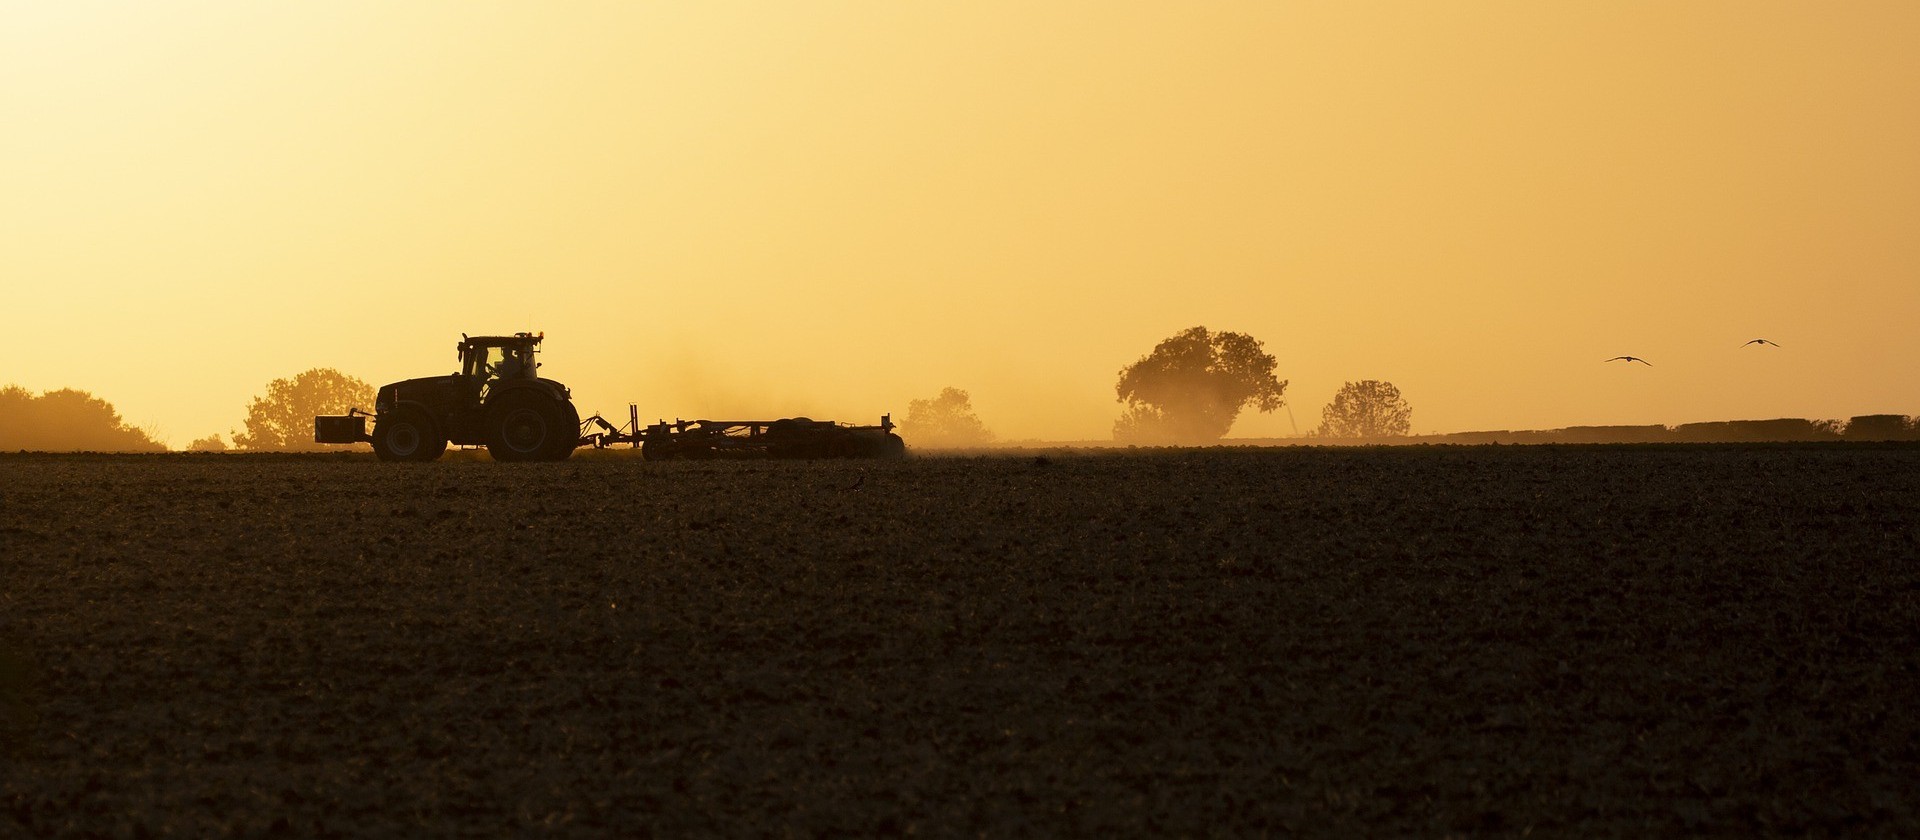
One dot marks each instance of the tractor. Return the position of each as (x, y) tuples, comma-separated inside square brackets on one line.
[(496, 400)]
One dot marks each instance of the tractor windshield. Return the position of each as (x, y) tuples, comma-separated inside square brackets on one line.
[(508, 362)]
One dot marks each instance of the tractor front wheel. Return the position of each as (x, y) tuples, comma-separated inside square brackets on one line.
[(529, 427), (407, 434)]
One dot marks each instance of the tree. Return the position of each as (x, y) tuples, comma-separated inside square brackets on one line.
[(945, 420), (1193, 386), (210, 443), (1366, 409), (67, 421), (283, 418)]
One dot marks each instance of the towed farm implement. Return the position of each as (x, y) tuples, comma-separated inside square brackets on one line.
[(498, 401), (793, 437)]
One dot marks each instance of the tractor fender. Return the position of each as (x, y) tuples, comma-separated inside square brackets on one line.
[(545, 387), (432, 411)]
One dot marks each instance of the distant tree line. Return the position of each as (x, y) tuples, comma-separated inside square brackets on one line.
[(281, 420), (1187, 391), (1865, 427), (67, 421)]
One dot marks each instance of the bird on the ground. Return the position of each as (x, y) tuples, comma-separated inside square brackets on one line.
[(1631, 359), (1761, 341)]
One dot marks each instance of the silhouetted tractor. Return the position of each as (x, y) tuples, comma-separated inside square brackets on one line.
[(496, 400)]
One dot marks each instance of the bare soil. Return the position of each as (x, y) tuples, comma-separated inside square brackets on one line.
[(1380, 642)]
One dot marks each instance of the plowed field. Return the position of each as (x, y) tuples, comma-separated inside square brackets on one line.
[(1378, 642)]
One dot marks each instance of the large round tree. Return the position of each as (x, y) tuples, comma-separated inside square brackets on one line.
[(1193, 386), (1369, 408), (282, 419)]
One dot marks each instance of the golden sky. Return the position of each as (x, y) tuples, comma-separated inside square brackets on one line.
[(832, 208)]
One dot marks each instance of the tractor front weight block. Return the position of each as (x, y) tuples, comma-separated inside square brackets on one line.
[(341, 428)]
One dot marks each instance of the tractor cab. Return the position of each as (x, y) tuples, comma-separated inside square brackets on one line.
[(489, 359)]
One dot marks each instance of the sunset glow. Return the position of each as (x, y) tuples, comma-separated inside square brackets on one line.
[(835, 208)]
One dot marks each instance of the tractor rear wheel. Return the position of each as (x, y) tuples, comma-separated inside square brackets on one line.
[(529, 427), (407, 434), (569, 437)]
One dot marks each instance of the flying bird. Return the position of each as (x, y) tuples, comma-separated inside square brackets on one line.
[(1761, 341), (1631, 359)]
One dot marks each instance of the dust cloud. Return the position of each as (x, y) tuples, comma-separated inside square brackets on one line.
[(687, 385)]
